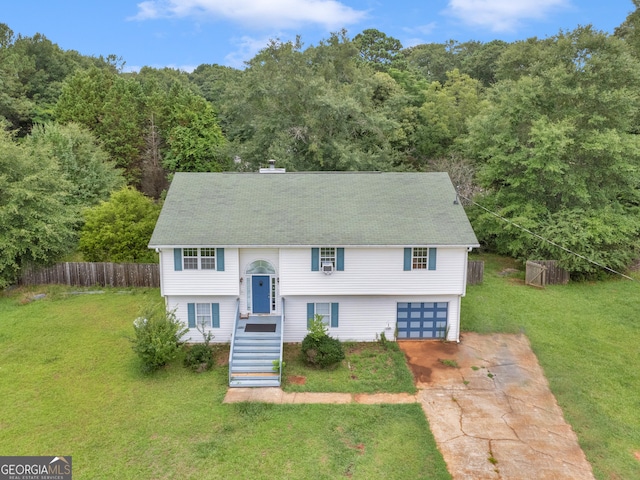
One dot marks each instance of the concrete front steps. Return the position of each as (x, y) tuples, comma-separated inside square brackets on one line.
[(252, 361)]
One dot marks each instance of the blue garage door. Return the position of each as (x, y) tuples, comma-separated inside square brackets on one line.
[(422, 320)]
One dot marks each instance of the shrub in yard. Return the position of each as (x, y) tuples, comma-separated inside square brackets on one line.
[(157, 337), (199, 357), (318, 348)]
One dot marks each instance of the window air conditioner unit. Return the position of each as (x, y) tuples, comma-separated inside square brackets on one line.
[(327, 268)]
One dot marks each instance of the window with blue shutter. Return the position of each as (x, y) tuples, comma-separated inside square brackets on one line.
[(432, 258), (334, 315), (220, 259), (311, 311), (207, 314), (328, 311), (315, 259), (420, 258), (177, 259), (407, 259), (340, 260), (191, 314), (215, 315), (205, 258)]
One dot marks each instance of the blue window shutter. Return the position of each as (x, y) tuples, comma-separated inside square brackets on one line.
[(334, 315), (340, 259), (191, 313), (220, 259), (177, 259), (315, 259), (311, 310), (215, 315), (432, 258), (407, 259)]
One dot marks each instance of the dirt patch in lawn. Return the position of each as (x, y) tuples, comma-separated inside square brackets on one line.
[(296, 379), (425, 358)]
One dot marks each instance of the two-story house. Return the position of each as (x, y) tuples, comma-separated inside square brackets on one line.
[(252, 256)]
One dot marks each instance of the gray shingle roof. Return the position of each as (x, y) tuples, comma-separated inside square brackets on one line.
[(338, 209)]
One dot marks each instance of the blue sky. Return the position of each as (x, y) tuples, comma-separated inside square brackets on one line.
[(186, 33)]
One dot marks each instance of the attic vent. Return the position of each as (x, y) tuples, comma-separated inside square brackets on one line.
[(272, 168)]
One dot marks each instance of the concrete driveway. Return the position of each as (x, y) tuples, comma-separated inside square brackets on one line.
[(493, 415)]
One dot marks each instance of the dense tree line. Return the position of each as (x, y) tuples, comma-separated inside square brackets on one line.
[(541, 132)]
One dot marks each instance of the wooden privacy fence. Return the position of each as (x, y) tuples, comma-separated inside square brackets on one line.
[(545, 272), (86, 274), (475, 272)]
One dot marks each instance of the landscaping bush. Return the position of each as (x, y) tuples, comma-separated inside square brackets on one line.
[(199, 357), (157, 337), (318, 348)]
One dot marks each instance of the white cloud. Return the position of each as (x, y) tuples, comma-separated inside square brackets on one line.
[(422, 29), (247, 48), (274, 14), (502, 15)]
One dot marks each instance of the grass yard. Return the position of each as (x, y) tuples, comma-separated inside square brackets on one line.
[(367, 368), (71, 385), (587, 339)]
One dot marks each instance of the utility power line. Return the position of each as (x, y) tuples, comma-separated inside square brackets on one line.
[(546, 239)]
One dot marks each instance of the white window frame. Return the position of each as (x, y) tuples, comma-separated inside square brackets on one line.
[(199, 258), (328, 255), (326, 317), (204, 317), (420, 258)]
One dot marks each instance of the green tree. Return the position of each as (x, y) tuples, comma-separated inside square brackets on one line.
[(192, 133), (14, 104), (36, 214), (443, 115), (629, 30), (112, 107), (377, 49), (81, 160), (318, 109), (481, 63), (146, 122), (557, 153), (119, 229), (434, 60), (213, 80)]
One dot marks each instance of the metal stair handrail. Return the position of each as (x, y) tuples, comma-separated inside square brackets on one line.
[(233, 337), (281, 341)]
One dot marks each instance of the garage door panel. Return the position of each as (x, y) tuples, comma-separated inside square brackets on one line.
[(422, 319)]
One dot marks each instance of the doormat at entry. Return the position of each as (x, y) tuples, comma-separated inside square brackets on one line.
[(260, 327)]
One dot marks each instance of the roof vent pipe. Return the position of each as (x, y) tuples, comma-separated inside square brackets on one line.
[(272, 168)]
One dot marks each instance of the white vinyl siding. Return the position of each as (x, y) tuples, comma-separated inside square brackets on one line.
[(362, 317), (199, 282), (373, 271), (227, 306)]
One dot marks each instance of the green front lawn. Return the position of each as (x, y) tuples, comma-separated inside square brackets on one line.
[(71, 385), (587, 339), (367, 368)]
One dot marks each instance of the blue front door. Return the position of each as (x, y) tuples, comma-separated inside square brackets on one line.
[(261, 294)]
